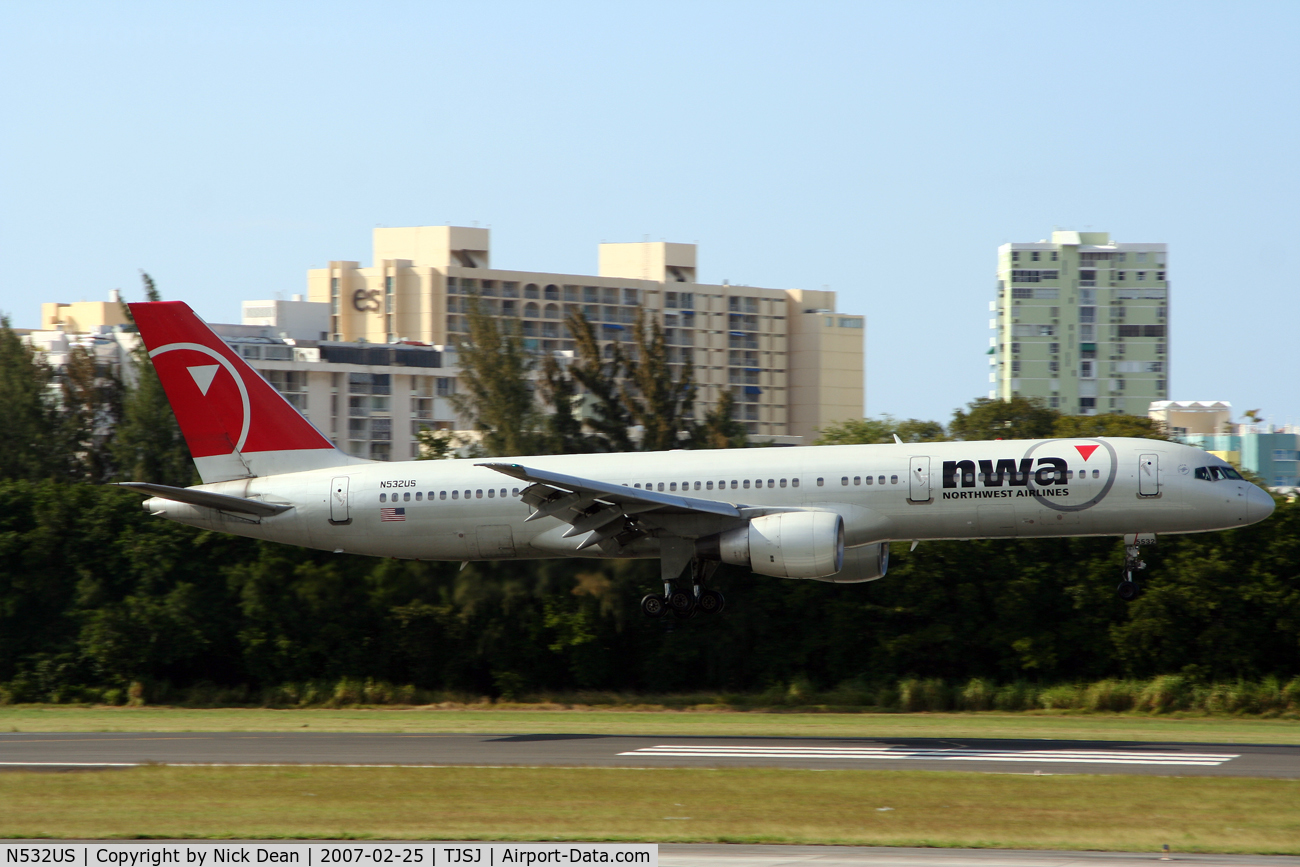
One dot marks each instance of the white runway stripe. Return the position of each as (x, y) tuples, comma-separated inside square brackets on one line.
[(1106, 757)]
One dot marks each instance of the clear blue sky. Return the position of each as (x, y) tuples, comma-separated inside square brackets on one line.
[(881, 149)]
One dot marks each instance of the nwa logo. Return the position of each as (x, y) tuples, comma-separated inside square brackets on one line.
[(1049, 477)]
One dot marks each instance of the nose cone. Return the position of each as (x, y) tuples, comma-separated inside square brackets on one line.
[(1259, 504)]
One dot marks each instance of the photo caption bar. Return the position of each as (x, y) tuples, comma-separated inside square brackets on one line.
[(193, 853)]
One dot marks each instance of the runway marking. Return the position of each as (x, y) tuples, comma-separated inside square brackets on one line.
[(1088, 757)]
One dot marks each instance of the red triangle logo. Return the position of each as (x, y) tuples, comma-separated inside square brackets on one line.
[(1086, 451)]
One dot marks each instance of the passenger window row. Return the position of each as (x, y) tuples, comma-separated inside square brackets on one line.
[(721, 485), (870, 480), (455, 495)]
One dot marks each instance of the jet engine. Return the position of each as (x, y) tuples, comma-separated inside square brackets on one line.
[(861, 564), (785, 545)]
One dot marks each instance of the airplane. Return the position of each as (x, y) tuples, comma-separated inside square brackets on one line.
[(826, 513)]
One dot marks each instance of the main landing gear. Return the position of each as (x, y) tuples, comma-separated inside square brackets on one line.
[(1128, 588), (685, 603)]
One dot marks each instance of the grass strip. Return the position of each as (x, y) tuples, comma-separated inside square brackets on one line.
[(894, 808), (704, 723)]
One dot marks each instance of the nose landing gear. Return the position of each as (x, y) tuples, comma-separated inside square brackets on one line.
[(1128, 588)]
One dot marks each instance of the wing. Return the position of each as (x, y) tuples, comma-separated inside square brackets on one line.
[(604, 511)]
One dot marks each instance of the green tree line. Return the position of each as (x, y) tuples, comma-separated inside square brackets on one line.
[(96, 595)]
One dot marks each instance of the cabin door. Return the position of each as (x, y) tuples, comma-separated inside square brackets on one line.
[(339, 501), (1148, 475), (918, 480)]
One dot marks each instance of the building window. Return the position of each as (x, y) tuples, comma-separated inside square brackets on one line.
[(1015, 256), (1032, 276), (1143, 331), (1142, 275)]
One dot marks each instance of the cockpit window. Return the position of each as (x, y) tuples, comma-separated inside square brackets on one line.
[(1214, 474)]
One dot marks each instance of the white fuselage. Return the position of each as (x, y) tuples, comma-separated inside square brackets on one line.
[(458, 510)]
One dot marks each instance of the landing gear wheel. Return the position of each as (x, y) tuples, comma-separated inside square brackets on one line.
[(710, 602), (682, 602), (653, 605), (685, 615), (1127, 590)]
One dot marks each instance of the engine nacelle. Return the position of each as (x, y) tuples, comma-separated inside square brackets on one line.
[(861, 564), (784, 545)]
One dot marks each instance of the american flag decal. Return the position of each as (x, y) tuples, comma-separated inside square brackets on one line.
[(392, 514)]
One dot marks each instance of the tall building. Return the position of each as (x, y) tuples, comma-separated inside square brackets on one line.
[(792, 363), (371, 359), (1082, 322)]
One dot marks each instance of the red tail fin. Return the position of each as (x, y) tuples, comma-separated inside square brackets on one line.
[(235, 423)]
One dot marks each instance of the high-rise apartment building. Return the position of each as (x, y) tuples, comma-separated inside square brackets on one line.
[(792, 363), (1082, 322)]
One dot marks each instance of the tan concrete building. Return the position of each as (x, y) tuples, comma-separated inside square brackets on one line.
[(793, 364), (83, 317)]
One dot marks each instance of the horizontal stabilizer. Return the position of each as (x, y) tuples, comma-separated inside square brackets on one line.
[(194, 497)]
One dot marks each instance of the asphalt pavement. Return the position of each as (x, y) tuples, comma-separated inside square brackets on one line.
[(91, 751)]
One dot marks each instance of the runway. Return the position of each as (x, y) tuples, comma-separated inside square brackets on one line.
[(103, 751)]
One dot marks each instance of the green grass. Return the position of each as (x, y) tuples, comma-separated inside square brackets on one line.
[(1136, 813), (493, 720)]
